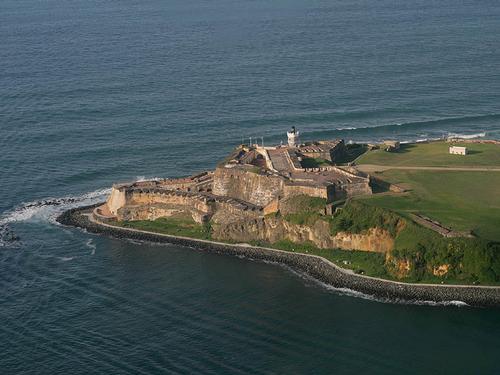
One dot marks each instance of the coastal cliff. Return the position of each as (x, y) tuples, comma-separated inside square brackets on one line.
[(289, 197), (409, 251), (274, 229), (247, 184), (312, 265)]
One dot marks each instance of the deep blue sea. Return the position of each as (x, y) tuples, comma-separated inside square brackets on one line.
[(95, 92)]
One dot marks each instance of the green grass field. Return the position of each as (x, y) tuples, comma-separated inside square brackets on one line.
[(185, 227), (315, 162), (460, 200), (435, 154)]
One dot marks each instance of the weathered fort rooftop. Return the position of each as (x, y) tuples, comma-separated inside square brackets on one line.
[(248, 184)]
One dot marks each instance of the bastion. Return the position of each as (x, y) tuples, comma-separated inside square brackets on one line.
[(296, 197), (247, 186)]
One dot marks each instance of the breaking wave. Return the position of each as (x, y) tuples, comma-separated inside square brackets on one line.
[(91, 245), (467, 136), (400, 301), (436, 128), (43, 210), (355, 293), (144, 178), (369, 297)]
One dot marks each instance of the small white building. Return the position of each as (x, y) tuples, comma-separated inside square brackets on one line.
[(458, 150)]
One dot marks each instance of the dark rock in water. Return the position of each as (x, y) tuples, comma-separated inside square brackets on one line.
[(50, 202), (7, 234)]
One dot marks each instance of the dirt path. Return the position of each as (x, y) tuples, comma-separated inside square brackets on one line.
[(369, 168)]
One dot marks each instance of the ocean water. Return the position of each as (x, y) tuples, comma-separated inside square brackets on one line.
[(95, 92)]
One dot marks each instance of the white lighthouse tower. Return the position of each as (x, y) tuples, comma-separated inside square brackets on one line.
[(293, 137)]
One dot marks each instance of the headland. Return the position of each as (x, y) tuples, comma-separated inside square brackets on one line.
[(304, 203), (315, 266)]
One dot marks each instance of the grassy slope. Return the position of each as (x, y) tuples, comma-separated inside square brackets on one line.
[(435, 154), (460, 200), (315, 162), (184, 227), (302, 209)]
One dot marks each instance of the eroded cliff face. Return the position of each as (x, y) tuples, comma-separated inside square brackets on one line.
[(273, 229), (246, 185), (398, 268)]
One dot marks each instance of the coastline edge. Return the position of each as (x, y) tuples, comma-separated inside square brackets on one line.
[(314, 266)]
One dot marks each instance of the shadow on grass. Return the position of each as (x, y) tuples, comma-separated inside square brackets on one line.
[(403, 149), (474, 152), (352, 152), (379, 186)]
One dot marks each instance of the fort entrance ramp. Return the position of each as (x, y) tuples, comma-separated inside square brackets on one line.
[(279, 160)]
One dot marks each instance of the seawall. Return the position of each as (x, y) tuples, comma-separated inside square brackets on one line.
[(314, 266)]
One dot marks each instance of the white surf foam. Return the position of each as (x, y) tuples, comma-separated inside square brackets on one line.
[(467, 136), (46, 209), (90, 244), (144, 178), (354, 293)]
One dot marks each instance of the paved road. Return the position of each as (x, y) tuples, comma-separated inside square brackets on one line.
[(368, 168)]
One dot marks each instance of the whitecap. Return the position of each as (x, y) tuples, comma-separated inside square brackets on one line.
[(467, 136), (144, 178), (90, 244), (369, 297), (46, 209), (49, 208)]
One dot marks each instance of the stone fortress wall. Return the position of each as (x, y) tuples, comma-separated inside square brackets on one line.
[(245, 188), (150, 200), (246, 184)]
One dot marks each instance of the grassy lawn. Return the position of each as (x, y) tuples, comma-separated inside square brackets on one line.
[(185, 227), (315, 162), (434, 154), (460, 200)]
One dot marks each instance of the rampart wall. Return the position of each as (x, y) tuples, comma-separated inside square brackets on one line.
[(153, 204), (258, 189), (150, 203), (321, 191)]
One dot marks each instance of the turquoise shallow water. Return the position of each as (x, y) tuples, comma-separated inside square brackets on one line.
[(97, 92)]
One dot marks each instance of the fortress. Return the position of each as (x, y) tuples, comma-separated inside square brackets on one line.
[(295, 197), (250, 183)]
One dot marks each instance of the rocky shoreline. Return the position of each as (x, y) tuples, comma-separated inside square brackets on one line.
[(314, 266)]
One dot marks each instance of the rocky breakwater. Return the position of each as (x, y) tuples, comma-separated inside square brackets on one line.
[(314, 266)]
